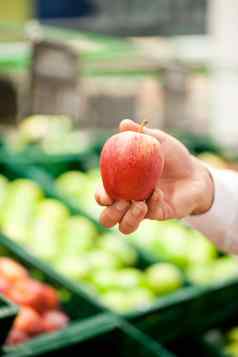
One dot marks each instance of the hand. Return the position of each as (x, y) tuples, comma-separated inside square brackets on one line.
[(184, 188)]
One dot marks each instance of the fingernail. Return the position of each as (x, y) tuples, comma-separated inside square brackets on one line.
[(121, 205), (136, 209)]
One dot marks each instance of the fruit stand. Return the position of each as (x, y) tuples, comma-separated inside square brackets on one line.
[(189, 297), (68, 284), (184, 301)]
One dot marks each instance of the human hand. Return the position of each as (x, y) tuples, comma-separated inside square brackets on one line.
[(184, 188)]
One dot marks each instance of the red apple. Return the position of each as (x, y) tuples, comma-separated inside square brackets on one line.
[(131, 164), (27, 292), (54, 320), (5, 285), (16, 337), (12, 271), (29, 322), (50, 299)]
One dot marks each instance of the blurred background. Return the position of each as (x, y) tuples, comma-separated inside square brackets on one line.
[(70, 71), (97, 61)]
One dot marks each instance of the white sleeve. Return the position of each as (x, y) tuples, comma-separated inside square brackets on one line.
[(220, 223)]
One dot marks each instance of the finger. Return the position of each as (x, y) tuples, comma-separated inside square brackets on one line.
[(113, 214), (130, 125), (102, 198), (131, 220), (155, 203)]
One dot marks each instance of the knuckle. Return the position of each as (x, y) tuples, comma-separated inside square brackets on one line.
[(138, 209)]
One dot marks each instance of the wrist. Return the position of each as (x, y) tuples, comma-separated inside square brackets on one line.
[(206, 192)]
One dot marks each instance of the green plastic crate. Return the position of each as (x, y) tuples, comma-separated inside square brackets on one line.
[(196, 347), (53, 163), (8, 312), (104, 335)]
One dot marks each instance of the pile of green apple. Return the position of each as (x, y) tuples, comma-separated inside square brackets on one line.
[(188, 249), (80, 187), (169, 241), (51, 134), (105, 263)]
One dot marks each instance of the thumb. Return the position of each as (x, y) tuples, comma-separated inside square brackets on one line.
[(130, 125)]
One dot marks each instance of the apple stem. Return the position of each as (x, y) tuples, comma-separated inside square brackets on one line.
[(142, 125)]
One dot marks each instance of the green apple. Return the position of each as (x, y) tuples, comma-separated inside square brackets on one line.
[(117, 301), (130, 278), (125, 279), (87, 199), (79, 235), (94, 174), (128, 301), (167, 240), (113, 244), (146, 234), (232, 335), (104, 280), (231, 349), (164, 278), (19, 208), (47, 229), (72, 183), (224, 268), (200, 249), (141, 298), (38, 127), (200, 274), (77, 268), (101, 260), (172, 246)]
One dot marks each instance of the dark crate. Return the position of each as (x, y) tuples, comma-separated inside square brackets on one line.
[(8, 312), (104, 335)]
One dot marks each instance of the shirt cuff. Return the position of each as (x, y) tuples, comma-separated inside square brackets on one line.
[(217, 223)]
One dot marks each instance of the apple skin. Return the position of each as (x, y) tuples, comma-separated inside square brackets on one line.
[(131, 165), (5, 285), (164, 278), (29, 322), (11, 271), (16, 337), (54, 321), (49, 299), (27, 292)]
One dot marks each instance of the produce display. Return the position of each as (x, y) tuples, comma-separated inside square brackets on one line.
[(169, 241), (80, 188), (51, 134), (188, 249), (39, 303), (106, 264)]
